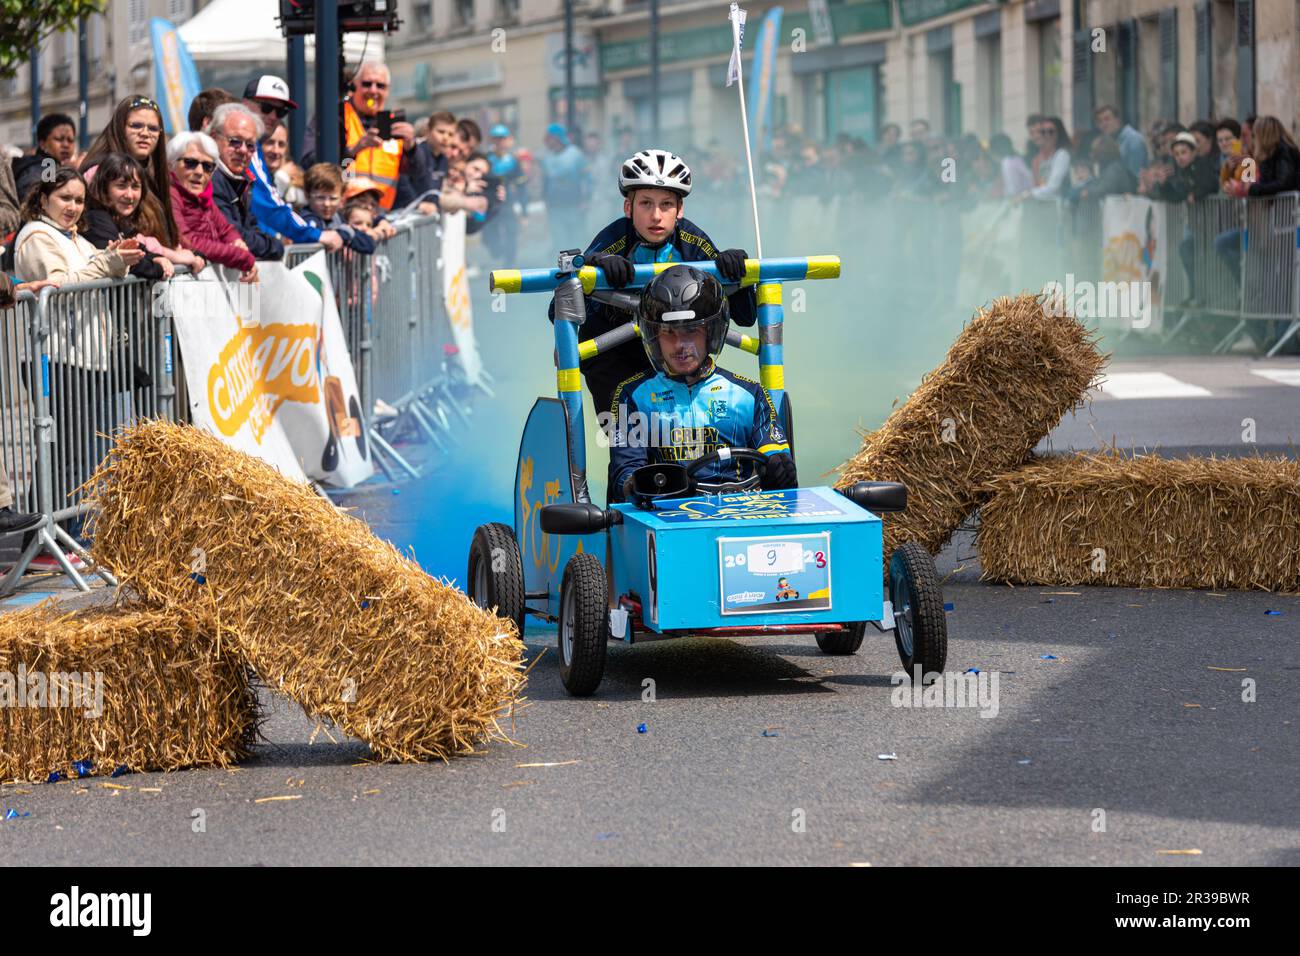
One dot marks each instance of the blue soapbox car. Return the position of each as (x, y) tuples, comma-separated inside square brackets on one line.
[(684, 558)]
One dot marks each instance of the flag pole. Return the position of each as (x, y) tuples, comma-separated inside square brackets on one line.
[(736, 26)]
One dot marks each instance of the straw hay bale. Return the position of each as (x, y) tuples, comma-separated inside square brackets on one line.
[(341, 622), (167, 695), (1159, 522), (1013, 372)]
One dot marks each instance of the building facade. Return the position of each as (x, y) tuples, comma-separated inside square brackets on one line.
[(120, 61), (963, 65)]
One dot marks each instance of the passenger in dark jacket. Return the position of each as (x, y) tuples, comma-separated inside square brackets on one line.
[(231, 195)]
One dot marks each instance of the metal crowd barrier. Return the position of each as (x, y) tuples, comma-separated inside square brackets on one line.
[(86, 359)]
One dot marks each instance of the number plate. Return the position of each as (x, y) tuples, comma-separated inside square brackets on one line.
[(775, 575)]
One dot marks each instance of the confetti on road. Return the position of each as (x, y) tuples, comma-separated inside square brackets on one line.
[(517, 783), (641, 728), (1191, 705), (1230, 670), (1048, 657), (1065, 593), (115, 786), (1271, 613), (1192, 852), (770, 733), (886, 756), (559, 763), (293, 796), (367, 793)]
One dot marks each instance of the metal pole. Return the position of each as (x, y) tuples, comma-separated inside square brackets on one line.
[(83, 84), (327, 81), (296, 70), (36, 90), (654, 72), (570, 108)]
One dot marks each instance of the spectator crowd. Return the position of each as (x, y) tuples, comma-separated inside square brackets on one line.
[(228, 191)]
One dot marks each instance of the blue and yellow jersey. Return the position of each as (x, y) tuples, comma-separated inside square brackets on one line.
[(656, 418)]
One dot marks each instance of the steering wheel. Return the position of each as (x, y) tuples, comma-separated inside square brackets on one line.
[(757, 458)]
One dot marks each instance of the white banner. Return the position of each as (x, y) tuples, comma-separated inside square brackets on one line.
[(268, 370), (455, 290), (1135, 257)]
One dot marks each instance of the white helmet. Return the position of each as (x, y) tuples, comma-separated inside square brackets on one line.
[(655, 169)]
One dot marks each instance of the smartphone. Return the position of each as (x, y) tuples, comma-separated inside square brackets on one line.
[(385, 121)]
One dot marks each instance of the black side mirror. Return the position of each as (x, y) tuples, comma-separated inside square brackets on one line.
[(877, 497), (579, 517)]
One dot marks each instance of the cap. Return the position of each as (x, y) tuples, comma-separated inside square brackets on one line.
[(558, 131), (357, 185), (1187, 138), (501, 129), (269, 87)]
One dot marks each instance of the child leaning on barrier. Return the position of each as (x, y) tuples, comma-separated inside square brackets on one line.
[(324, 183)]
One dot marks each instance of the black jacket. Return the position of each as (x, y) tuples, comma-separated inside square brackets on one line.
[(231, 197), (1200, 179), (101, 229), (620, 238), (27, 171), (1279, 173)]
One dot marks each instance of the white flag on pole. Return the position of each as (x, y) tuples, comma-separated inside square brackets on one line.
[(737, 16)]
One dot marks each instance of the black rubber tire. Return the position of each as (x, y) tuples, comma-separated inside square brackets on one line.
[(503, 590), (918, 598), (843, 642), (584, 595)]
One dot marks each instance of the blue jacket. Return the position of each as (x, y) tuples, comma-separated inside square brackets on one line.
[(275, 217), (689, 243), (354, 239), (658, 417)]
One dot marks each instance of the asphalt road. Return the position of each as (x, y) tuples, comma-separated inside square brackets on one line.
[(767, 751)]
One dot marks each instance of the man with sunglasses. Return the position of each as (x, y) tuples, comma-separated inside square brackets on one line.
[(394, 162), (268, 97), (236, 130)]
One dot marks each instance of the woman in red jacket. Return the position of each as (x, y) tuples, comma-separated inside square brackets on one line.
[(193, 158)]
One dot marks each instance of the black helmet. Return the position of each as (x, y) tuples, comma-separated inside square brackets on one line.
[(682, 298)]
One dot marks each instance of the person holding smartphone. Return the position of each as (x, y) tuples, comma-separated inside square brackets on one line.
[(381, 145)]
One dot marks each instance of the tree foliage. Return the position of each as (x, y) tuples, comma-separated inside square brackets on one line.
[(24, 24)]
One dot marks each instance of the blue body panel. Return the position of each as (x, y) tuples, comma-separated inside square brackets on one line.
[(542, 477), (674, 559)]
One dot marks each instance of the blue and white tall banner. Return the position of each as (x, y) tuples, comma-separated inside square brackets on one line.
[(737, 17), (175, 79), (762, 79)]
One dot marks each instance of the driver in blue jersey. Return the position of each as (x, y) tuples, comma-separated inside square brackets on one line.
[(654, 183), (688, 407)]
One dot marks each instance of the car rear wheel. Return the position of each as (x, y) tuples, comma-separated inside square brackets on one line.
[(584, 624), (920, 626), (495, 576), (843, 642)]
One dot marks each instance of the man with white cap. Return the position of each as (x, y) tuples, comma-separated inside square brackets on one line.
[(268, 95)]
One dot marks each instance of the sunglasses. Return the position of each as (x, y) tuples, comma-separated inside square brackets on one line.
[(280, 111), (366, 84), (189, 162), (149, 127), (234, 142)]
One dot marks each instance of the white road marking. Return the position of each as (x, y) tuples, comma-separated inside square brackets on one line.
[(1149, 385), (1284, 376)]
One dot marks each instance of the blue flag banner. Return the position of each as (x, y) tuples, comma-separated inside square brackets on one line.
[(761, 80), (175, 80)]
